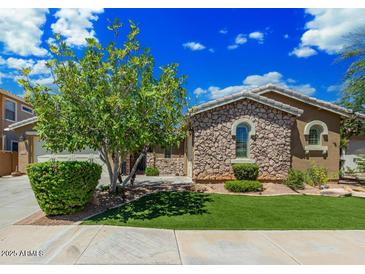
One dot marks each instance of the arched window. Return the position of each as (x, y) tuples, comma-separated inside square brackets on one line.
[(316, 133), (242, 140), (314, 137)]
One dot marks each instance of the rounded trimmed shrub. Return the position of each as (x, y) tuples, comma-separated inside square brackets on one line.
[(296, 179), (63, 187), (152, 171), (246, 171), (243, 186)]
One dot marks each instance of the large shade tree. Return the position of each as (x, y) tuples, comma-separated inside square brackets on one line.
[(353, 93), (109, 99)]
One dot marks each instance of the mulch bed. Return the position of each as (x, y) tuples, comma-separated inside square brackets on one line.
[(101, 202)]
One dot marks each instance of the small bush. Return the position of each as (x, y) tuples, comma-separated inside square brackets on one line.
[(243, 186), (317, 176), (152, 171), (296, 179), (246, 171), (63, 187)]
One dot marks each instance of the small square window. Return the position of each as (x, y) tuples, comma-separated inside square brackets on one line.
[(27, 109)]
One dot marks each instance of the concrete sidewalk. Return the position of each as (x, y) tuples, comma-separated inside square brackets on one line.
[(124, 245), (26, 244)]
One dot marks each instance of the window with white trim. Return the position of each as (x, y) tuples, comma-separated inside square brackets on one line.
[(316, 132), (10, 110), (314, 137), (27, 109)]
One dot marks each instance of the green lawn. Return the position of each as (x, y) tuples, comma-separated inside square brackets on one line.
[(190, 210)]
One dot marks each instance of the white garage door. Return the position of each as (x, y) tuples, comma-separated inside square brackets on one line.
[(42, 155)]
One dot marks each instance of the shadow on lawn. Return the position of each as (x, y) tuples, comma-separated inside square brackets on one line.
[(158, 204)]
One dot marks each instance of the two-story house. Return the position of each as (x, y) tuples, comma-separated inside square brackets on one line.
[(12, 109)]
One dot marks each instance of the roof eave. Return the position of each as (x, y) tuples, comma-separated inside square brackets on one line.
[(245, 95), (307, 99), (22, 123)]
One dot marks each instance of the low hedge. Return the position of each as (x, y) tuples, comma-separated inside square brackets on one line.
[(63, 187), (152, 171), (243, 186), (246, 171)]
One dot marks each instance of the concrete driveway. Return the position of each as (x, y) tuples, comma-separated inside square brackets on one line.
[(73, 244), (17, 200)]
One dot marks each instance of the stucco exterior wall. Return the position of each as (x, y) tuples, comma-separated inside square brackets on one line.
[(20, 115), (8, 162), (214, 146), (300, 160)]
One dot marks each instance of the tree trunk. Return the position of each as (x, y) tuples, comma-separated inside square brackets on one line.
[(134, 169), (112, 168), (114, 179)]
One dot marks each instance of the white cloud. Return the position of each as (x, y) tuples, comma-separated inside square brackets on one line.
[(257, 35), (76, 25), (306, 89), (240, 39), (194, 46), (19, 63), (44, 81), (223, 31), (37, 67), (231, 47), (286, 36), (335, 88), (40, 73), (303, 52), (328, 28), (20, 31), (2, 61), (273, 77), (40, 68), (211, 50), (253, 81), (199, 91)]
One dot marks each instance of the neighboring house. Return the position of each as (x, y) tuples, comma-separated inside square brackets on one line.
[(12, 109), (275, 127), (355, 148)]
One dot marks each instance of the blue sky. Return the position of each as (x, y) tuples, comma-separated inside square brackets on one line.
[(220, 50)]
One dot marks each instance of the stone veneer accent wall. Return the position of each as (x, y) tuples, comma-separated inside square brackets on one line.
[(167, 166), (214, 146)]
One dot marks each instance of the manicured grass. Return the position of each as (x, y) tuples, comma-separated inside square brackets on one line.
[(190, 210)]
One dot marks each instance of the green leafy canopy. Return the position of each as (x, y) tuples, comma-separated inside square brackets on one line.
[(108, 99)]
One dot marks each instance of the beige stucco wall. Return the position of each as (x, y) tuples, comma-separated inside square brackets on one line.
[(20, 115), (300, 160), (8, 162), (25, 147)]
